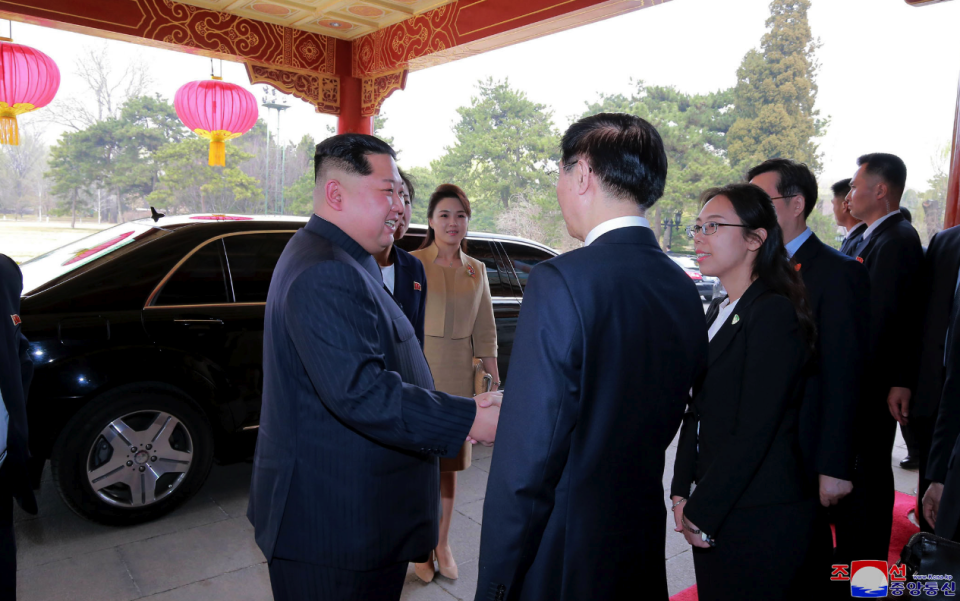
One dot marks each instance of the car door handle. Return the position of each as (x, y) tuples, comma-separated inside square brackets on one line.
[(199, 323)]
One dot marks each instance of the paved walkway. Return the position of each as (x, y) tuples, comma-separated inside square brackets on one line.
[(205, 550)]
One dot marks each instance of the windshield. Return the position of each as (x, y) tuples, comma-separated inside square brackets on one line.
[(685, 262), (56, 263)]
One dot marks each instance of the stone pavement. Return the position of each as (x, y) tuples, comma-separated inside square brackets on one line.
[(205, 550)]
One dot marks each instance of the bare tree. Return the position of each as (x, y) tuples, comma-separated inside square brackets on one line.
[(529, 219), (107, 87), (21, 171)]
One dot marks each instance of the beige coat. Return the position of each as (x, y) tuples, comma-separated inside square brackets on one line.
[(472, 298)]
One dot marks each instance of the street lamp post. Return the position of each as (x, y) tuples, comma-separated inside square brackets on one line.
[(272, 103)]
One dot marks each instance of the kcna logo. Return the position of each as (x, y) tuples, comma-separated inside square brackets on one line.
[(871, 579)]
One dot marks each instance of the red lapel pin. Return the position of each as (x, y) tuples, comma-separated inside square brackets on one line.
[(416, 286), (797, 267), (16, 319), (860, 259)]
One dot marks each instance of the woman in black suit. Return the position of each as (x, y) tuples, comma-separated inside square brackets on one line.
[(750, 515)]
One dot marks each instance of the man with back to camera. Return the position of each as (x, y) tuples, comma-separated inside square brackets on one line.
[(838, 288), (16, 372), (346, 477), (890, 250), (610, 340), (853, 228)]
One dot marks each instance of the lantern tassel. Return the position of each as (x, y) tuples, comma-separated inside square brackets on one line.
[(218, 153), (9, 131)]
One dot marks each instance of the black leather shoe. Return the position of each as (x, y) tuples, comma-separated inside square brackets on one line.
[(909, 463)]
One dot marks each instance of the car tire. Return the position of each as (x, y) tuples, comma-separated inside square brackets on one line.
[(132, 454)]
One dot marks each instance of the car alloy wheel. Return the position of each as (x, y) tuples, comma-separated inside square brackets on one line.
[(139, 459)]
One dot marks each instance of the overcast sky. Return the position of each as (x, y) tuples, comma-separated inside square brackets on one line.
[(888, 75)]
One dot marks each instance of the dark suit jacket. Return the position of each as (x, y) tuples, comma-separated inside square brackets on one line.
[(410, 288), (853, 240), (941, 264), (838, 290), (346, 468), (610, 340), (893, 257), (748, 411), (16, 371)]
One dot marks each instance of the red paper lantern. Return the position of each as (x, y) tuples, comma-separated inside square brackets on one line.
[(29, 79), (218, 111)]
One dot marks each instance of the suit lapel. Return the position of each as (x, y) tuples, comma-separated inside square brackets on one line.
[(807, 253), (883, 227), (729, 330)]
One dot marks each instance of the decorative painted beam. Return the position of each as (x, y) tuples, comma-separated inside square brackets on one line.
[(467, 27)]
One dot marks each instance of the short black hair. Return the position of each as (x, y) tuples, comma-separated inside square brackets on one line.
[(889, 167), (841, 188), (349, 153), (906, 214), (409, 182), (795, 178), (624, 151)]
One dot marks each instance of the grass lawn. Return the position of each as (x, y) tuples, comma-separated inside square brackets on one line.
[(23, 240)]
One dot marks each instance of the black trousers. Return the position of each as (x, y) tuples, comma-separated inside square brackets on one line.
[(922, 427), (760, 554), (297, 581), (864, 518), (8, 544)]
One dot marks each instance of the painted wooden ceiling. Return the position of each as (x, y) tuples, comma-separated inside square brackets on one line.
[(344, 19)]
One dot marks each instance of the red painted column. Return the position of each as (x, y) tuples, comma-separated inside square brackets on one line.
[(952, 216), (351, 93)]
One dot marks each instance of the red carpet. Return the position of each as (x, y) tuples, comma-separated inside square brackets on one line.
[(902, 530)]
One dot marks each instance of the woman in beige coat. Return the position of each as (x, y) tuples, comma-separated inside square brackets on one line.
[(459, 326)]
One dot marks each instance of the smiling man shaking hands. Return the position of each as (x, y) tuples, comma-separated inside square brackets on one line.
[(346, 480)]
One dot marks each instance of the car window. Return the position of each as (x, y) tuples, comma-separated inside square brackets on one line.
[(410, 242), (251, 259), (499, 283), (523, 258), (200, 280)]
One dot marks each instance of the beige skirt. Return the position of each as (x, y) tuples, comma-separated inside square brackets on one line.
[(451, 362)]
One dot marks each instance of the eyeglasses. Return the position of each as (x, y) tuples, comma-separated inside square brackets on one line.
[(787, 196), (709, 228)]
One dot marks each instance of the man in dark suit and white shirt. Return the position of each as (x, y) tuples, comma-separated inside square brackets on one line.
[(838, 288), (935, 415), (853, 228), (890, 250), (346, 476), (610, 341)]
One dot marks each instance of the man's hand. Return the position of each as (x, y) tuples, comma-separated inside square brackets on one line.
[(484, 428), (487, 399), (931, 502), (694, 539), (899, 403), (833, 489)]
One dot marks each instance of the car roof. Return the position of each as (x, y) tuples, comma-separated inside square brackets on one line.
[(200, 219)]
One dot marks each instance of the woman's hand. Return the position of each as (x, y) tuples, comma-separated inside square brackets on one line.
[(695, 540), (490, 366), (678, 502)]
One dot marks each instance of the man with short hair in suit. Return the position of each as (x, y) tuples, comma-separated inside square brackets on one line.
[(610, 341), (890, 250), (16, 372), (935, 415), (853, 228), (346, 477)]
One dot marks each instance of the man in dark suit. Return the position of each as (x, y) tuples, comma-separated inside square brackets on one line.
[(852, 226), (935, 415), (346, 477), (890, 250), (610, 341), (16, 371), (403, 274), (838, 288)]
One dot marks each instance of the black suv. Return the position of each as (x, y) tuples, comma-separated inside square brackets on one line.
[(148, 344)]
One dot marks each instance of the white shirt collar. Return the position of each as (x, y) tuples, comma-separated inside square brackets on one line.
[(872, 227), (848, 230), (615, 224)]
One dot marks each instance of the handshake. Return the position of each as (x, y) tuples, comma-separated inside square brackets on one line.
[(484, 429)]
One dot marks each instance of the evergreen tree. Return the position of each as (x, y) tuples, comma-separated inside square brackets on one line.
[(776, 91)]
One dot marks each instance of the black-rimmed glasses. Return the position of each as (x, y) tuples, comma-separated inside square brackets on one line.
[(709, 228)]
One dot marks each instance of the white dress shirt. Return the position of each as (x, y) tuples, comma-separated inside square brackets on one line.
[(873, 226), (726, 308), (615, 224), (389, 277)]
